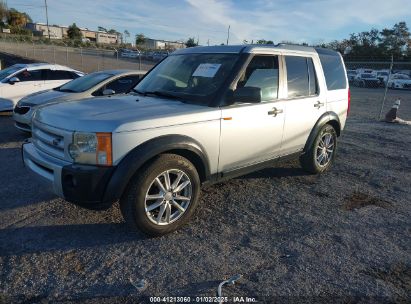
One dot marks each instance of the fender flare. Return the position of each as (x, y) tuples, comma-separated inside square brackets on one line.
[(141, 154), (327, 117)]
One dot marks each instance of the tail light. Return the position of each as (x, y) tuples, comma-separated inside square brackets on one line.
[(349, 102)]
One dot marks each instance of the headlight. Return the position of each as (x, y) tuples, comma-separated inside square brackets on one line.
[(91, 148)]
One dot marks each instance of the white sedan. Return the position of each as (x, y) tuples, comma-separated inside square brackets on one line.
[(20, 80), (399, 81)]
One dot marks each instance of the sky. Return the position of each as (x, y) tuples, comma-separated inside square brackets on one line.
[(311, 21)]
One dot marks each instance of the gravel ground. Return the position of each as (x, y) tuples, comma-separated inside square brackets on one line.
[(343, 236)]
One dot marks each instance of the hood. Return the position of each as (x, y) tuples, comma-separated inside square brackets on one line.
[(123, 113), (43, 97)]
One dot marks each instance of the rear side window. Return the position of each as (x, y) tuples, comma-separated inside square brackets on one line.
[(59, 75), (35, 75), (301, 77), (333, 69)]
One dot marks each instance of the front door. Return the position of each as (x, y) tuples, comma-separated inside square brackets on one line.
[(252, 133)]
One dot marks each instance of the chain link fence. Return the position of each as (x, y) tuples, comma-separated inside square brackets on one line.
[(380, 82), (87, 60)]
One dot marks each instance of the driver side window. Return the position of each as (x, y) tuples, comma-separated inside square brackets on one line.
[(25, 75), (262, 72)]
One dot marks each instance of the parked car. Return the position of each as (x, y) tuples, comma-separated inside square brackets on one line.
[(20, 80), (351, 75), (366, 80), (127, 53), (399, 81), (202, 115), (95, 84), (383, 77), (157, 56)]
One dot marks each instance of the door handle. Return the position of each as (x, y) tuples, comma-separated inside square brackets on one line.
[(275, 111), (319, 104)]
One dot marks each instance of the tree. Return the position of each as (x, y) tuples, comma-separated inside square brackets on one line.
[(102, 29), (395, 41), (16, 18), (4, 11), (73, 32), (126, 35), (263, 41), (112, 31), (140, 39), (191, 42)]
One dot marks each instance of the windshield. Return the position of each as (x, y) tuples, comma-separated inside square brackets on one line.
[(84, 83), (367, 76), (382, 73), (191, 77), (9, 71)]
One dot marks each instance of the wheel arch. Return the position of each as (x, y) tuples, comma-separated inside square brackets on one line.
[(176, 144), (330, 118)]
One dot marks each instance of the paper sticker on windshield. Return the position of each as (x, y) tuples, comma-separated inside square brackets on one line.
[(207, 70)]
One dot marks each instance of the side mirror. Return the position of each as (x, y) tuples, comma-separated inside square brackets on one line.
[(247, 95), (107, 92), (13, 80)]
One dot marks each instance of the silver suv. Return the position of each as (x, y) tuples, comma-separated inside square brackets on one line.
[(202, 115)]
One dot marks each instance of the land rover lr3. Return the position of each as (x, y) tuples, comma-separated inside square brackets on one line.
[(201, 115)]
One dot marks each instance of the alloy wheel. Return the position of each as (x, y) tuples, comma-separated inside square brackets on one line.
[(168, 197)]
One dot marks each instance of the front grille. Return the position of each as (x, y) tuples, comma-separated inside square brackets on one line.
[(23, 125), (21, 110), (49, 140)]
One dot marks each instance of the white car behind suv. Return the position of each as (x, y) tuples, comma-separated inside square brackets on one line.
[(20, 80)]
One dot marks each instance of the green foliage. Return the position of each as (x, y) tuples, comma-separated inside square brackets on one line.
[(191, 42), (102, 29), (17, 30), (140, 39), (16, 18), (393, 41), (263, 41), (4, 11), (74, 33)]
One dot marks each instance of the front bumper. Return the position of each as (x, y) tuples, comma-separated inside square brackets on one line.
[(83, 185)]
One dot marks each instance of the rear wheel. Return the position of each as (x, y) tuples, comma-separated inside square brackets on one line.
[(320, 155), (162, 196)]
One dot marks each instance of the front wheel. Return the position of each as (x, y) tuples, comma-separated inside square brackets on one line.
[(162, 196), (320, 155)]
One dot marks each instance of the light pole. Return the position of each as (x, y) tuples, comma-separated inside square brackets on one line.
[(47, 18)]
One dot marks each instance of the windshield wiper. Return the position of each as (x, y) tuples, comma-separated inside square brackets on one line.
[(66, 90), (160, 94)]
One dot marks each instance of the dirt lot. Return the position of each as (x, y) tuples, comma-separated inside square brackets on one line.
[(340, 237)]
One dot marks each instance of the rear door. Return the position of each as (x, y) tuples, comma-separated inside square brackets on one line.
[(305, 103), (252, 133), (31, 81), (336, 83), (56, 78)]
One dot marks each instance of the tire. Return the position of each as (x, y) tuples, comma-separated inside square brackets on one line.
[(144, 199), (310, 159)]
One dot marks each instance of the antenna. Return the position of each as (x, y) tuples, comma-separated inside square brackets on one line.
[(228, 34)]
